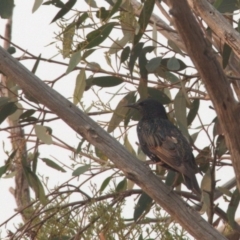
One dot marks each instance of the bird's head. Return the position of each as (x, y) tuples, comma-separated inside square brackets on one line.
[(149, 108)]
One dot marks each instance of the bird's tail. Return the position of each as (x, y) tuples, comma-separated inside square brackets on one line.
[(192, 184)]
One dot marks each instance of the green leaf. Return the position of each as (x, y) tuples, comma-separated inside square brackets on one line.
[(96, 37), (193, 111), (181, 65), (153, 65), (173, 64), (79, 86), (118, 45), (143, 205), (67, 39), (91, 3), (171, 178), (34, 183), (7, 110), (128, 145), (107, 81), (144, 19), (226, 55), (193, 137), (81, 19), (115, 8), (105, 183), (221, 146), (120, 112), (42, 134), (142, 61), (100, 154), (80, 170), (206, 184), (232, 208), (36, 64), (125, 54), (15, 116), (27, 113), (36, 5), (28, 119), (3, 170), (102, 13), (87, 53), (74, 60), (206, 203), (65, 9), (180, 112), (52, 164), (35, 161), (158, 95), (134, 55), (6, 8), (56, 3), (122, 186)]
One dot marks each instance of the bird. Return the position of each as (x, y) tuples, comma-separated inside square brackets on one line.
[(164, 143)]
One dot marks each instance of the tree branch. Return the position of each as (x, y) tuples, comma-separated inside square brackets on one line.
[(213, 76)]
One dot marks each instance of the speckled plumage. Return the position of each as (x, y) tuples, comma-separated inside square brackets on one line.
[(163, 142)]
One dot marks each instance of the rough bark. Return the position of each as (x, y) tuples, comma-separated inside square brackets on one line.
[(134, 169), (216, 83)]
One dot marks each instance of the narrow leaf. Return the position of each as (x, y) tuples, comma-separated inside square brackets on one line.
[(36, 64), (120, 112), (79, 86), (144, 204), (107, 81), (180, 112), (158, 95), (65, 9), (105, 183), (125, 54), (52, 164), (122, 186), (232, 208), (226, 55), (144, 19), (7, 110), (74, 60), (173, 64), (27, 113), (15, 116), (80, 170), (193, 111), (36, 5)]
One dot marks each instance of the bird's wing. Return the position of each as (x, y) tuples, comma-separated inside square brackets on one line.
[(171, 152), (168, 144)]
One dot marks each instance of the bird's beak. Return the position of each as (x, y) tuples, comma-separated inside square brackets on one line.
[(132, 105)]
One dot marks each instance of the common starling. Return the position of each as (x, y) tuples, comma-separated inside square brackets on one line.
[(163, 142)]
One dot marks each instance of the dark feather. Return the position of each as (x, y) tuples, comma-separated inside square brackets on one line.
[(164, 143)]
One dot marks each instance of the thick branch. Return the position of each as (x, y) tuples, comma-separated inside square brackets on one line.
[(132, 167), (211, 72), (217, 23)]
